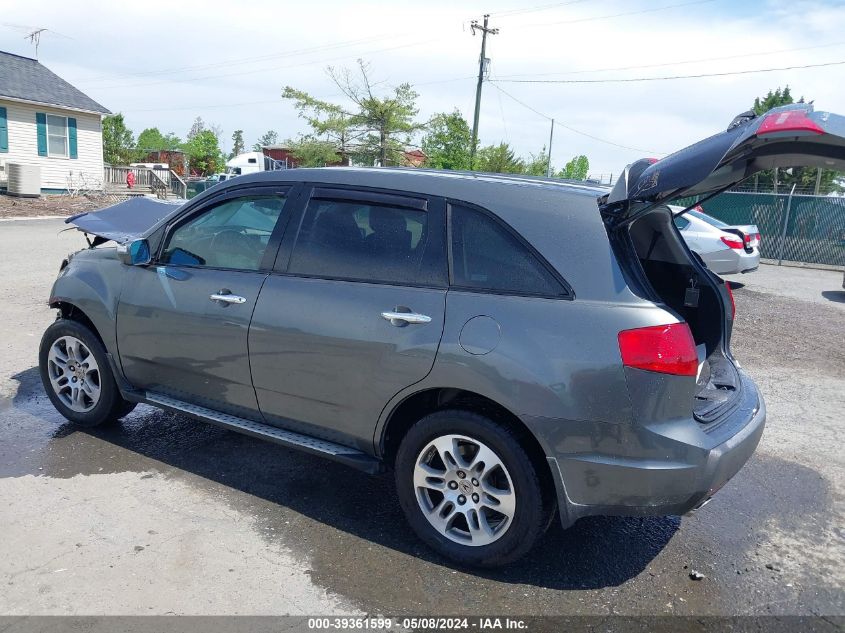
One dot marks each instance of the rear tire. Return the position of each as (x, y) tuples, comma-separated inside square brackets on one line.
[(77, 376), (469, 489)]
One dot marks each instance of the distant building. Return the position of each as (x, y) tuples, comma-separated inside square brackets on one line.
[(45, 121), (413, 158), (281, 153), (174, 158), (284, 154)]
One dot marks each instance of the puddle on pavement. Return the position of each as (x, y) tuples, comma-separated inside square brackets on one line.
[(348, 528)]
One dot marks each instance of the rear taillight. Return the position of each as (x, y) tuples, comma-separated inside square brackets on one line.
[(791, 122), (668, 349), (756, 239), (733, 303), (732, 242)]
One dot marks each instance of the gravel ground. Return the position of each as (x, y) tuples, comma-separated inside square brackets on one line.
[(160, 514)]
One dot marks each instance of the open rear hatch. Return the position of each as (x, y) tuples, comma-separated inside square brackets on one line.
[(655, 259)]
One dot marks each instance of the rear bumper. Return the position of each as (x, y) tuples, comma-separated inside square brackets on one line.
[(731, 261), (683, 463)]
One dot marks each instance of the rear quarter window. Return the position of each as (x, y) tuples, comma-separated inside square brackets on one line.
[(488, 255)]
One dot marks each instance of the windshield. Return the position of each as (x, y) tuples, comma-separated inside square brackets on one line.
[(710, 220)]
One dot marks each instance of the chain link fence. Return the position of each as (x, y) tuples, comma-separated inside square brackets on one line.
[(794, 227)]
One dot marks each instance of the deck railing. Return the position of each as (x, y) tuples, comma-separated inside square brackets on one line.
[(158, 181)]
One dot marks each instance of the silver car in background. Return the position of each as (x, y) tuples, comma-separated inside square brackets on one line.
[(725, 249)]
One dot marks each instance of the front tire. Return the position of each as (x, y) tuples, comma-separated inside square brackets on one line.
[(469, 489), (77, 377)]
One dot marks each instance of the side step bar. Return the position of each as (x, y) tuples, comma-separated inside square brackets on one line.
[(316, 446)]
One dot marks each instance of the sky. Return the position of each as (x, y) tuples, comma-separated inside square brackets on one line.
[(163, 64)]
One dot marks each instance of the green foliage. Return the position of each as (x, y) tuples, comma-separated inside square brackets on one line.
[(152, 140), (328, 122), (448, 142), (803, 178), (576, 169), (118, 141), (499, 159), (204, 155), (781, 96), (313, 152), (269, 137), (538, 164), (376, 129), (197, 127), (237, 143)]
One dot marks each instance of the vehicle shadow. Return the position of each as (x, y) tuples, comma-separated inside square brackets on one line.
[(596, 552), (837, 296)]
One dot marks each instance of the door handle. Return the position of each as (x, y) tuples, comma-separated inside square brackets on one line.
[(227, 297), (399, 318)]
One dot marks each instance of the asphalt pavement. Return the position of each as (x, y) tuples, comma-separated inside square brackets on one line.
[(161, 514)]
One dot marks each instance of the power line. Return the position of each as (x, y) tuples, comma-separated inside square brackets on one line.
[(572, 129), (541, 7), (635, 79), (246, 60), (679, 63), (617, 15), (262, 70)]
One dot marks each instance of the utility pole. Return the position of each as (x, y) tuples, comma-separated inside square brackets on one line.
[(551, 138), (482, 63)]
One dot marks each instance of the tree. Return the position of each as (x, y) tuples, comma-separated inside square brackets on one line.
[(576, 169), (383, 119), (313, 152), (118, 141), (203, 152), (329, 122), (269, 137), (499, 159), (197, 127), (803, 178), (237, 143), (152, 140), (772, 100), (448, 141), (538, 164), (375, 129)]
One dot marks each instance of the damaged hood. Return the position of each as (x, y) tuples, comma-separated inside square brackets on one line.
[(125, 221)]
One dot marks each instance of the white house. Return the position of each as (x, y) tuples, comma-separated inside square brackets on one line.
[(45, 121)]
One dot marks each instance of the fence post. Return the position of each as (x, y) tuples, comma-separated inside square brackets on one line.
[(785, 223)]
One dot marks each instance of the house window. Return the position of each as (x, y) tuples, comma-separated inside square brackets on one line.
[(57, 143)]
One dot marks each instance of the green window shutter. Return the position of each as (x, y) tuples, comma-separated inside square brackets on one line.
[(41, 124), (4, 131), (71, 137)]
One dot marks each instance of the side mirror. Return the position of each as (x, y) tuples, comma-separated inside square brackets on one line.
[(135, 253)]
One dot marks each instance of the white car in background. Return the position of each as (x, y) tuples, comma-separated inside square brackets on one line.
[(725, 249)]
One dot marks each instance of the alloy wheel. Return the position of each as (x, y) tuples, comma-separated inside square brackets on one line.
[(464, 490), (74, 374)]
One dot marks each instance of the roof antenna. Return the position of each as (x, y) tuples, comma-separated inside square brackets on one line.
[(35, 38)]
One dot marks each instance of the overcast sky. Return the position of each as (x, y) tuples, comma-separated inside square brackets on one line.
[(164, 63)]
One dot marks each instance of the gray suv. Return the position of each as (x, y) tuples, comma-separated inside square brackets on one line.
[(513, 348)]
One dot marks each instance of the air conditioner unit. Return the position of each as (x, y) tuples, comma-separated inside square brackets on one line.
[(23, 180)]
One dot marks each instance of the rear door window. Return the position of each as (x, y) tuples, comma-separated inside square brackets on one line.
[(487, 255), (361, 240)]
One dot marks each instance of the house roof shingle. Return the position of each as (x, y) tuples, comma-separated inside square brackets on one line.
[(27, 79)]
